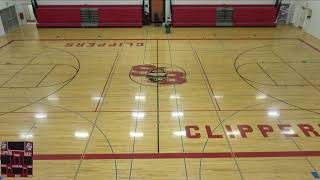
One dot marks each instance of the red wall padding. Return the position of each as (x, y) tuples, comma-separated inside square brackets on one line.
[(205, 15), (56, 15), (120, 16), (258, 16), (193, 16), (69, 16)]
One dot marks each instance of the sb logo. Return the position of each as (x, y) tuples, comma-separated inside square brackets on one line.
[(149, 74)]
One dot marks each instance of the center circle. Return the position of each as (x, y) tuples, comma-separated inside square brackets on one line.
[(157, 75)]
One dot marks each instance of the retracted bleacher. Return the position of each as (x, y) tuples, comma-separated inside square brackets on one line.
[(224, 15), (89, 15)]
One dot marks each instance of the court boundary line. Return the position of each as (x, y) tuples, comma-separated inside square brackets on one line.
[(177, 155), (164, 111), (309, 44), (214, 100), (236, 68), (138, 104), (6, 44), (105, 84), (262, 154), (158, 102), (274, 85), (264, 71), (178, 111), (181, 39)]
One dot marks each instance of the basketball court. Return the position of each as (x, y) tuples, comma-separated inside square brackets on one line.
[(163, 108), (142, 104)]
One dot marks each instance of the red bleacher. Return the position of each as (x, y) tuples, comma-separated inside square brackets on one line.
[(120, 16), (57, 17), (69, 15), (205, 15), (193, 15), (254, 16), (131, 15)]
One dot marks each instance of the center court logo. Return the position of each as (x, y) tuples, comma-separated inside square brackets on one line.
[(163, 74)]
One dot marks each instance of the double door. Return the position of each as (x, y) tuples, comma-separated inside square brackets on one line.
[(9, 19)]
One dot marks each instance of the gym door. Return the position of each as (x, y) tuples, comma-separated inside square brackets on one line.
[(157, 10)]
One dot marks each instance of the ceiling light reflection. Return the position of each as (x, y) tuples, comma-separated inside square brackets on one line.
[(40, 115), (261, 97), (138, 114), (174, 97), (288, 132), (140, 98), (273, 113), (234, 133), (26, 136), (177, 114), (179, 133), (218, 97), (53, 98), (136, 134), (81, 134), (96, 98)]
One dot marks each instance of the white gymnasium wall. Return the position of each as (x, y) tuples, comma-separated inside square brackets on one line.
[(89, 2), (6, 3), (1, 28), (20, 9), (19, 5), (312, 25)]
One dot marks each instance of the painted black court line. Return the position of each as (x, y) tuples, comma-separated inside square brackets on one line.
[(213, 101), (16, 73), (297, 72), (275, 98), (153, 39), (6, 44), (263, 70), (105, 85), (137, 111), (108, 82), (158, 103), (178, 113), (299, 148), (166, 111), (206, 79), (47, 74), (278, 85)]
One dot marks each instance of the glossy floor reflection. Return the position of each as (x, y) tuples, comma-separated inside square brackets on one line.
[(163, 106)]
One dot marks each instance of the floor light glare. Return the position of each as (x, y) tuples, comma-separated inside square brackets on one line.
[(136, 134), (234, 133), (177, 114), (138, 114), (179, 133), (273, 113), (53, 98), (140, 98), (218, 97), (174, 97), (81, 135), (96, 98), (41, 115), (26, 136), (289, 132), (261, 96)]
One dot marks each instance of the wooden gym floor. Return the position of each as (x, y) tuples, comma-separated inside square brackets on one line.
[(197, 104)]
